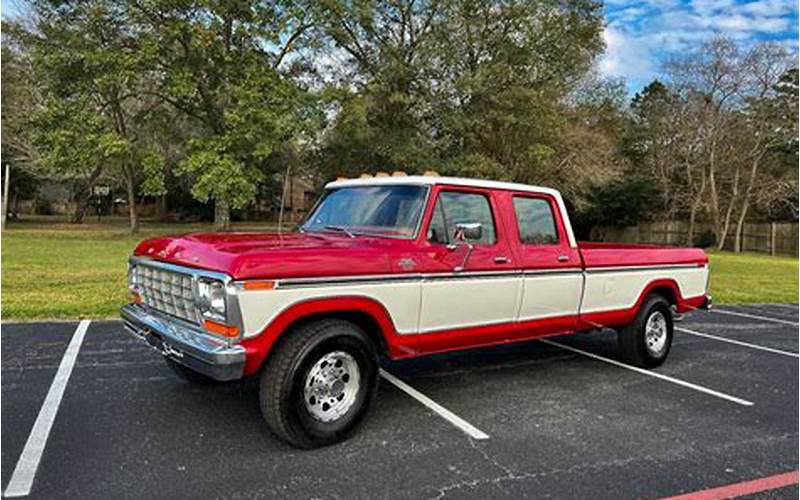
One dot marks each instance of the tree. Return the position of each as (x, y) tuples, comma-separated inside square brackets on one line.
[(468, 87), (383, 112), (222, 68), (723, 98), (92, 61)]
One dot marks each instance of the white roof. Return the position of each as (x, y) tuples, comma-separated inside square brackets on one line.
[(429, 180)]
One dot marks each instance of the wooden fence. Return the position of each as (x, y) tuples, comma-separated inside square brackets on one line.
[(774, 238)]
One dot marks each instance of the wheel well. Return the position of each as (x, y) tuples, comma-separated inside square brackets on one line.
[(666, 292), (364, 321)]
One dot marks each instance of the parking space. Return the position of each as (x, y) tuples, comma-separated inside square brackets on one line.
[(558, 423)]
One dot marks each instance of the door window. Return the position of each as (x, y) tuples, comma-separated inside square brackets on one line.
[(537, 225), (453, 208)]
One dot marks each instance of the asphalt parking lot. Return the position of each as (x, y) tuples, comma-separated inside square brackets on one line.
[(558, 423)]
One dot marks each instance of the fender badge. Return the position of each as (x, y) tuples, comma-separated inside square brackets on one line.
[(406, 263)]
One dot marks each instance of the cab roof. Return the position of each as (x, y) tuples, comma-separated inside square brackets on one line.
[(429, 180)]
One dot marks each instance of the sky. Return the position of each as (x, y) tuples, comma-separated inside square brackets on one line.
[(641, 35)]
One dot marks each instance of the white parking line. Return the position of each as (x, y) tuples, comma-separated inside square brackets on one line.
[(440, 410), (22, 478), (651, 373), (738, 342), (753, 316)]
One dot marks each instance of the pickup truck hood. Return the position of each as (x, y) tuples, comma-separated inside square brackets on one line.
[(270, 255)]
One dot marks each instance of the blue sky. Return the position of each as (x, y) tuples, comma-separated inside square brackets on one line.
[(640, 35)]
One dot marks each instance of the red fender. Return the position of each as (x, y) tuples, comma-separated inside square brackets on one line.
[(258, 347)]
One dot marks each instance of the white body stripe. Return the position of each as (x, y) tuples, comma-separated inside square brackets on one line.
[(448, 304), (426, 303), (549, 296), (400, 298), (613, 290)]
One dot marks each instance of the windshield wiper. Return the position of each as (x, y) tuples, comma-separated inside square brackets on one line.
[(342, 229)]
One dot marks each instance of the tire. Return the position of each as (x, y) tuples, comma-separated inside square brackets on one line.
[(319, 383), (640, 348), (189, 375)]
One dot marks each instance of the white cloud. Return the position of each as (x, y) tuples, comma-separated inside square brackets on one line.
[(640, 34), (625, 56)]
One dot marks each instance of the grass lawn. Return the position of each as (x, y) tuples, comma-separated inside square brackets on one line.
[(749, 278), (53, 270)]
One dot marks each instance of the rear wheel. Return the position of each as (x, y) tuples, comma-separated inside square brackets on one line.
[(646, 342), (319, 383)]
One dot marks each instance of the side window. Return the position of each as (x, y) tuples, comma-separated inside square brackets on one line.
[(537, 226), (454, 208)]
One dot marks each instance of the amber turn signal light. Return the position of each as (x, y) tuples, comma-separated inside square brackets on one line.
[(136, 298), (259, 285), (220, 328)]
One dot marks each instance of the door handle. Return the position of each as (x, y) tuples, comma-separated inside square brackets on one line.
[(501, 260), (563, 258)]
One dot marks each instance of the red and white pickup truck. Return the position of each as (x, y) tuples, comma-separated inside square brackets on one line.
[(395, 266)]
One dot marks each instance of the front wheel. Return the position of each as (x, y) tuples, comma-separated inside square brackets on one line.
[(646, 342), (319, 383)]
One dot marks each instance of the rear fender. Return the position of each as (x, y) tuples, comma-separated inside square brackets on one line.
[(623, 317)]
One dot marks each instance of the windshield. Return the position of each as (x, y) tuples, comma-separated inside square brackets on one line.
[(373, 210)]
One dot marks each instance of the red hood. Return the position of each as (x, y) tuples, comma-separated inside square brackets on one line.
[(271, 255)]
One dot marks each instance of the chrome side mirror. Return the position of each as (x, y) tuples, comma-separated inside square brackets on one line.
[(468, 231)]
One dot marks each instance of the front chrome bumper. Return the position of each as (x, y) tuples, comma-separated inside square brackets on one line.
[(185, 343)]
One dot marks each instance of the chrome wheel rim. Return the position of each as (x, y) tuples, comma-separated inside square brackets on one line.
[(655, 334), (331, 386)]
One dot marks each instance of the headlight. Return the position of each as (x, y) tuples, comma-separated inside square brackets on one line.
[(211, 298)]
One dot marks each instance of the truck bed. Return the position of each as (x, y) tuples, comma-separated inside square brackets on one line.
[(597, 255)]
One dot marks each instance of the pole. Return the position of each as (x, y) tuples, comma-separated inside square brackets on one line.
[(5, 194), (772, 237), (283, 197)]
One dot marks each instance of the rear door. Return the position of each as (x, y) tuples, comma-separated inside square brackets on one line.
[(487, 290), (551, 267)]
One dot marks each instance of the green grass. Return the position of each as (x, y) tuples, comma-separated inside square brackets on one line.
[(748, 278), (54, 270)]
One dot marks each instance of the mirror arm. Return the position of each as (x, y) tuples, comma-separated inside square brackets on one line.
[(463, 265)]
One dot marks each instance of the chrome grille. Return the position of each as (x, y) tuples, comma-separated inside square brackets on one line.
[(167, 291)]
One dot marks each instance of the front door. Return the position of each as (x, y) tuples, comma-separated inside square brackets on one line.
[(463, 288)]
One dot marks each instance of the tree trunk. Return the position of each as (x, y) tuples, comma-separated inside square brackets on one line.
[(746, 201), (161, 208), (133, 214), (81, 202), (726, 222), (737, 245), (82, 196), (6, 181), (222, 216)]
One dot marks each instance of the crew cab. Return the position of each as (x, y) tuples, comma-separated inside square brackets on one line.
[(395, 266)]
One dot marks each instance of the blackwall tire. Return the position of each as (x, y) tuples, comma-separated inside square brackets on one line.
[(319, 383), (646, 342)]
